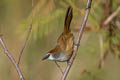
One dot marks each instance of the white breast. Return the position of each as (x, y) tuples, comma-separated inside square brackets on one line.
[(60, 58)]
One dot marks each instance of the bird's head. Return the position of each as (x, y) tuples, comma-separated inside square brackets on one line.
[(49, 53)]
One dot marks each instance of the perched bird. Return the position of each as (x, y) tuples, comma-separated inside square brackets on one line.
[(64, 48)]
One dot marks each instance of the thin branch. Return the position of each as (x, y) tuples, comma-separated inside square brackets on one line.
[(103, 55), (59, 67), (101, 62), (7, 53), (27, 37), (104, 13), (118, 24), (112, 16), (104, 21), (76, 46)]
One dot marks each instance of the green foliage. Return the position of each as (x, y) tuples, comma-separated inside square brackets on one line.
[(44, 25), (46, 18)]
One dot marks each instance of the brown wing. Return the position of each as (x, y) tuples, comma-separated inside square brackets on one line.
[(69, 44), (61, 42), (65, 42)]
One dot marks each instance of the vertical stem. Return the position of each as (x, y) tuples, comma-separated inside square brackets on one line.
[(7, 53), (107, 5), (27, 37), (76, 46)]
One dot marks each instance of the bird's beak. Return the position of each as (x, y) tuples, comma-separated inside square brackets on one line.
[(46, 56)]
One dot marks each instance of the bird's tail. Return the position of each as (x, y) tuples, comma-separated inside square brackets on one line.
[(68, 19)]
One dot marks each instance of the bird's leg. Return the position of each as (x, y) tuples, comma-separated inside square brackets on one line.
[(67, 62), (59, 67)]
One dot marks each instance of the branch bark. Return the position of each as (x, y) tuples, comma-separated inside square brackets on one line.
[(27, 37), (112, 16), (76, 46), (105, 21), (7, 53)]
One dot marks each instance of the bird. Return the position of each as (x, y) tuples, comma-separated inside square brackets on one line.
[(64, 47)]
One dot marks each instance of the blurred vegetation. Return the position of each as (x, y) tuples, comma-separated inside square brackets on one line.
[(48, 23)]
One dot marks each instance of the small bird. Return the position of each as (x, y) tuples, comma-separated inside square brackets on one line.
[(64, 48)]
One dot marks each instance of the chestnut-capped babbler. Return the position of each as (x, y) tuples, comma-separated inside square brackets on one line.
[(64, 48)]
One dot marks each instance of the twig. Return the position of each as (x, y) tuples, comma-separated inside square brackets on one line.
[(112, 16), (118, 24), (59, 67), (7, 53), (101, 25), (102, 59), (101, 62), (76, 46), (27, 37), (103, 55), (107, 12), (104, 13)]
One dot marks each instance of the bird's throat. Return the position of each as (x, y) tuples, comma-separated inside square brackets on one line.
[(58, 57)]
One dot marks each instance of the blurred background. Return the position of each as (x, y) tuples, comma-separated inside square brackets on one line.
[(99, 51)]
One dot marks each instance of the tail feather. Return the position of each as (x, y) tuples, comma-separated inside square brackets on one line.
[(68, 19)]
